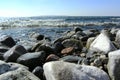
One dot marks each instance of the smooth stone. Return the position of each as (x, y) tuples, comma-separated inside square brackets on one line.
[(58, 47), (77, 44), (71, 58), (102, 44), (3, 49), (68, 50), (59, 70), (6, 67), (37, 36), (12, 54), (7, 41), (52, 57), (114, 65), (38, 71), (18, 74), (32, 59)]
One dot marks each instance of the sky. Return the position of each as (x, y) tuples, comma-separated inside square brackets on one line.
[(23, 8)]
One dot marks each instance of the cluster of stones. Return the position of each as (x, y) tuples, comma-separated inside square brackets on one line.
[(77, 55)]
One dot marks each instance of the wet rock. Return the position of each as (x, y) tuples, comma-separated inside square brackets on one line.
[(58, 47), (71, 58), (3, 49), (12, 54), (77, 44), (32, 59), (18, 74), (68, 71), (37, 36), (52, 57), (68, 50), (89, 33), (38, 71), (76, 29), (102, 44), (114, 65), (6, 67), (7, 41)]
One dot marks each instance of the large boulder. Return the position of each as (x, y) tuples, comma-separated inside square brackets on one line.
[(32, 59), (102, 44), (68, 71), (12, 54), (114, 65), (7, 41)]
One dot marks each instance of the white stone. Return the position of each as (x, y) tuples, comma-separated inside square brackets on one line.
[(102, 44), (59, 70), (114, 65)]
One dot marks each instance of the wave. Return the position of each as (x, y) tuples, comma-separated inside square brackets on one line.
[(59, 22)]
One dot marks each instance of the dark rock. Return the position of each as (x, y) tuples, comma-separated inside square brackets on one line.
[(58, 47), (12, 54), (7, 41), (38, 71), (52, 57), (68, 50), (40, 37), (3, 49), (71, 58), (77, 44), (32, 59), (78, 29)]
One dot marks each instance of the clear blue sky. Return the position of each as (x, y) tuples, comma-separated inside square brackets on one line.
[(10, 8)]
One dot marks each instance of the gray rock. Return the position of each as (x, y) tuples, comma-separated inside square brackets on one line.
[(77, 44), (117, 39), (89, 41), (32, 59), (12, 54), (18, 74), (71, 58), (7, 41), (114, 65), (102, 44), (6, 67), (68, 71)]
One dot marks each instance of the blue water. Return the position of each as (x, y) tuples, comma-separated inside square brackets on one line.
[(53, 26)]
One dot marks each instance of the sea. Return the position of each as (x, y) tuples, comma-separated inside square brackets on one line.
[(20, 28)]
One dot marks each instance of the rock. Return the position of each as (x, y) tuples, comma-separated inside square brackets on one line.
[(18, 74), (7, 41), (98, 62), (71, 58), (59, 70), (89, 41), (58, 47), (32, 59), (3, 49), (68, 50), (12, 54), (38, 71), (6, 67), (77, 29), (37, 36), (117, 39), (102, 44), (89, 33), (77, 44), (114, 65), (52, 57)]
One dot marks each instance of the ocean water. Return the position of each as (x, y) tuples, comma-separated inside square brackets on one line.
[(53, 27)]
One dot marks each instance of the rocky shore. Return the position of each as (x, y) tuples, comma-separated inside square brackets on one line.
[(77, 55)]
